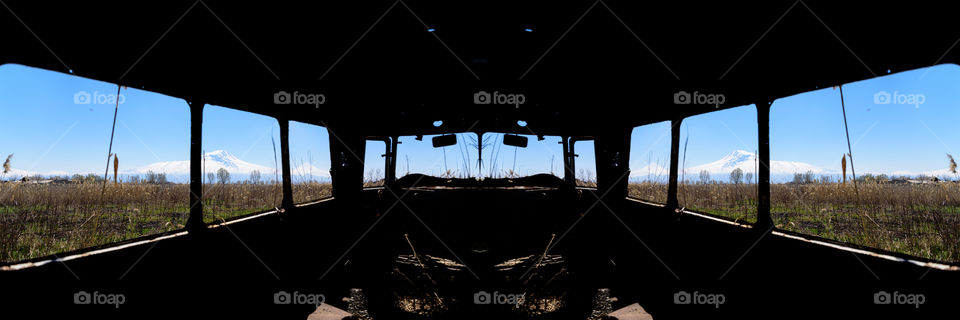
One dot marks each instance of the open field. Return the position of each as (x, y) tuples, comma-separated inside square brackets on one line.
[(42, 219), (917, 219)]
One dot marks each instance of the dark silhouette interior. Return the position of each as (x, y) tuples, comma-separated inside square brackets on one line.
[(588, 69)]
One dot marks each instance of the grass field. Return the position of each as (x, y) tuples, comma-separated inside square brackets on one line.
[(917, 219), (42, 219)]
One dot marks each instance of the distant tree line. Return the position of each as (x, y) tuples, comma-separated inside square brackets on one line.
[(148, 178), (222, 176), (737, 176)]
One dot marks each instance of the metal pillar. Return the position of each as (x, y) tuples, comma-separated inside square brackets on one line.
[(346, 164), (392, 161), (763, 185), (612, 153), (569, 176), (195, 222), (672, 202), (287, 202)]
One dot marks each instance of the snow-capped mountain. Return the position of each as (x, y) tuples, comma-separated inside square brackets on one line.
[(14, 172), (744, 160), (651, 170), (747, 161), (931, 173), (213, 161), (307, 171)]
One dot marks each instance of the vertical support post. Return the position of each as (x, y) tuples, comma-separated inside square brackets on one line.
[(568, 174), (571, 142), (287, 202), (346, 166), (611, 150), (195, 222), (672, 202), (391, 161), (763, 185)]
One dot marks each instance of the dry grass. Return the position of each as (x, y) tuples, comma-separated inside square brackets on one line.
[(917, 219), (310, 191), (42, 219), (737, 201), (649, 191)]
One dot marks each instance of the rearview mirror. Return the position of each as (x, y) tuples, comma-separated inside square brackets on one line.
[(444, 141), (515, 141)]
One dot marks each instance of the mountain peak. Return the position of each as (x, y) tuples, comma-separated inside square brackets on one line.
[(212, 161), (221, 155), (747, 161), (742, 153), (736, 158), (223, 159), (217, 153)]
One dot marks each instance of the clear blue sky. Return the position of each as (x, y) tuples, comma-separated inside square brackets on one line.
[(245, 135), (715, 135), (497, 157), (885, 138), (49, 132), (911, 133), (309, 146)]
